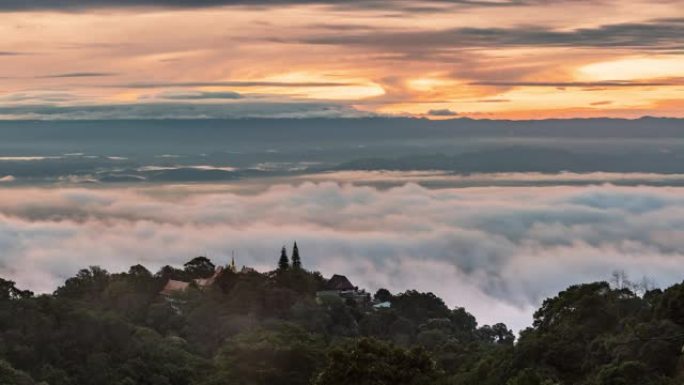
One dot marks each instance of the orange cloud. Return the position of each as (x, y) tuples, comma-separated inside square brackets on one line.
[(542, 58)]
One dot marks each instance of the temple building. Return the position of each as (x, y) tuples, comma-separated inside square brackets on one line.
[(340, 285)]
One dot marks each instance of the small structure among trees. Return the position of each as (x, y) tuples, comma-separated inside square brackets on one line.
[(199, 271), (174, 286), (340, 285)]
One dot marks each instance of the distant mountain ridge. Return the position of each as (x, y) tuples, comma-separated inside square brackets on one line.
[(340, 128), (525, 159), (219, 150)]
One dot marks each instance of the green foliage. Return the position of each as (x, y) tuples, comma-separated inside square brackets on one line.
[(382, 295), (589, 333), (278, 354), (296, 259), (301, 281), (199, 267), (284, 261), (626, 373), (278, 327), (498, 333), (8, 291), (671, 304), (87, 282), (11, 376), (419, 307), (373, 362), (530, 376)]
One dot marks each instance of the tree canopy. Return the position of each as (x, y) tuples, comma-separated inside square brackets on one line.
[(282, 327), (296, 259), (284, 261)]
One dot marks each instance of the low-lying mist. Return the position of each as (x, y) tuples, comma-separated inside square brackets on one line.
[(498, 251)]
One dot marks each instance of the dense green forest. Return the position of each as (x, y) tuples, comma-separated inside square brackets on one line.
[(283, 327)]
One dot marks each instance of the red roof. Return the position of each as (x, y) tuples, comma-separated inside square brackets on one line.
[(173, 286)]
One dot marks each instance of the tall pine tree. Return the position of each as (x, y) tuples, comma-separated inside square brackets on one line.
[(283, 262), (296, 261)]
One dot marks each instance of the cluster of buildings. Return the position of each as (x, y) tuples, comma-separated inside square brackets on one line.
[(337, 285), (173, 286), (340, 286)]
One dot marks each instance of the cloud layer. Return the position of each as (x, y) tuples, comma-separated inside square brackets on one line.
[(368, 4), (504, 59), (662, 34), (496, 250), (232, 107)]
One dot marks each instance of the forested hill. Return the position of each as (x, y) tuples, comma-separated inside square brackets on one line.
[(293, 327)]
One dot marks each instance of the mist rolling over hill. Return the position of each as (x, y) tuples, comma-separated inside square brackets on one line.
[(580, 196), (329, 192)]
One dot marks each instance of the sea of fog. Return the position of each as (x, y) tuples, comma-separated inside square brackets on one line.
[(493, 220), (496, 249)]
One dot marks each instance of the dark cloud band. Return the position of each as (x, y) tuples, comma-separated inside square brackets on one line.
[(662, 34), (182, 108), (79, 75), (19, 5), (242, 84), (609, 84)]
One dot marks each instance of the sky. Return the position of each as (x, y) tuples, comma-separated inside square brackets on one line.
[(498, 59)]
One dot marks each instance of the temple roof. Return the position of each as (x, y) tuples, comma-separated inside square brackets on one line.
[(339, 282), (173, 286)]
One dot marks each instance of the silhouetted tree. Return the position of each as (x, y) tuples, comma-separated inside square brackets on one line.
[(498, 333), (170, 272), (296, 260), (382, 295), (139, 271), (253, 328), (9, 291), (283, 262), (199, 267), (87, 283)]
